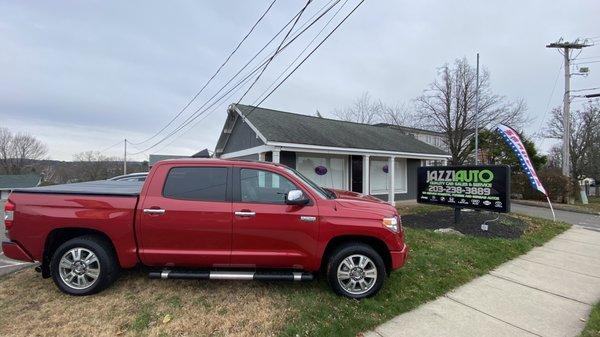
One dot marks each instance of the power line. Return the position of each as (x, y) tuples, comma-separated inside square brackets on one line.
[(212, 77), (302, 52), (110, 147), (595, 88), (202, 118), (276, 51), (243, 81), (306, 58), (252, 59), (543, 120), (283, 73), (585, 62), (589, 57)]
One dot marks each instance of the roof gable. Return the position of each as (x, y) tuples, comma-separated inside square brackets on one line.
[(286, 127)]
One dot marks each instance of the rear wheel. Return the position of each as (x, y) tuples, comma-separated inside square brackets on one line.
[(355, 270), (84, 265)]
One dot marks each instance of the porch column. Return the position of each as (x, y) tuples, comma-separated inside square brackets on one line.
[(276, 153), (365, 175), (261, 156), (391, 172)]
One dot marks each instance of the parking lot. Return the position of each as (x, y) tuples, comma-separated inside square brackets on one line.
[(7, 265)]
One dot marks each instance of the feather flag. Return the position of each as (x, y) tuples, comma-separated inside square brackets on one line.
[(512, 139)]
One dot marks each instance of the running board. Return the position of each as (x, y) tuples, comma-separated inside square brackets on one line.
[(232, 275)]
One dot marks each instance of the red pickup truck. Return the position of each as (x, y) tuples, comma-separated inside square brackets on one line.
[(206, 219)]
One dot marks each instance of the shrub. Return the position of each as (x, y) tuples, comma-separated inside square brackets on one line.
[(558, 186)]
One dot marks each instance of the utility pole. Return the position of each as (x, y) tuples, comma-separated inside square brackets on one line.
[(477, 113), (565, 49), (125, 156)]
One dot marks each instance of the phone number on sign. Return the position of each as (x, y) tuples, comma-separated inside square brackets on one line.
[(460, 190)]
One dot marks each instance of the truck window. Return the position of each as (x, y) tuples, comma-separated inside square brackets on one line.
[(196, 183), (258, 186)]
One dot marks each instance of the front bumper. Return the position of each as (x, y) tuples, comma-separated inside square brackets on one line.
[(13, 251), (399, 257)]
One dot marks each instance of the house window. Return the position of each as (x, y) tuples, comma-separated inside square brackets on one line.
[(325, 170), (379, 179)]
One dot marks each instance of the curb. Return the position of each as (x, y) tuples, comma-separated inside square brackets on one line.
[(556, 207)]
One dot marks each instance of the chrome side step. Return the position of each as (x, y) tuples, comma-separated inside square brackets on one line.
[(232, 275)]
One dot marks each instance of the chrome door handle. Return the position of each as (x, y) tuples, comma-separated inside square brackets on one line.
[(154, 211), (245, 214), (308, 218)]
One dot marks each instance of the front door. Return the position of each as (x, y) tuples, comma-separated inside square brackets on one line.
[(267, 233), (187, 221), (357, 173)]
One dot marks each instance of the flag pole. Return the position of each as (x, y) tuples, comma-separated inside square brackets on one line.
[(551, 208)]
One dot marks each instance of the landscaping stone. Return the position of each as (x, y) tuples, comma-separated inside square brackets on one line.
[(449, 230)]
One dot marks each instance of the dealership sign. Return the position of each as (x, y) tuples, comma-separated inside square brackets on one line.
[(482, 187)]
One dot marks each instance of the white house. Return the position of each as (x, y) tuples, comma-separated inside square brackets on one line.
[(370, 159)]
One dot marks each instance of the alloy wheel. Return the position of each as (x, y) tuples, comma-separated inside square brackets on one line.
[(79, 268), (357, 274)]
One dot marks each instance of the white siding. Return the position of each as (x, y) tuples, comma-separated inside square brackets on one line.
[(380, 183), (337, 169)]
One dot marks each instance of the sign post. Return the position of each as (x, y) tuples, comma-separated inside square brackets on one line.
[(484, 187)]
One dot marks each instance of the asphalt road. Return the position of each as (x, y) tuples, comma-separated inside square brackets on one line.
[(585, 220), (7, 265)]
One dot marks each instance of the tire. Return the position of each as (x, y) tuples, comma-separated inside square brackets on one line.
[(347, 259), (89, 262)]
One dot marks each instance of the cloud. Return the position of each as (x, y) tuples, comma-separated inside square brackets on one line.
[(84, 75)]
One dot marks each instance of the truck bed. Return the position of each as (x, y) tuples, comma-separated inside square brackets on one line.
[(98, 187)]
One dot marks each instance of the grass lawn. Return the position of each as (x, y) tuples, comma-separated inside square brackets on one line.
[(136, 305), (592, 328), (593, 204), (438, 264)]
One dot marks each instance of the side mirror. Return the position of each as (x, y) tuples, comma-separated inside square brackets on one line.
[(296, 197)]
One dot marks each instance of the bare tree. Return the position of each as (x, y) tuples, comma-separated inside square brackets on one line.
[(585, 137), (92, 165), (448, 106), (363, 110), (398, 114), (367, 110), (19, 150), (555, 157), (370, 111)]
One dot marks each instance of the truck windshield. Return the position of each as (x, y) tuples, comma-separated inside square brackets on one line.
[(316, 188)]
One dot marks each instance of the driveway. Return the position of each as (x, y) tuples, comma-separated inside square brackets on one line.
[(7, 265), (584, 220)]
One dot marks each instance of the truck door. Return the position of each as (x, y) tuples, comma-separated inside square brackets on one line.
[(267, 233), (186, 217)]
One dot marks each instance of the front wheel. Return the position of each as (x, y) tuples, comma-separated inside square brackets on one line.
[(84, 265), (356, 270)]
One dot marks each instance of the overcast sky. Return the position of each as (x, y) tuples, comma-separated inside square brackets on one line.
[(84, 75)]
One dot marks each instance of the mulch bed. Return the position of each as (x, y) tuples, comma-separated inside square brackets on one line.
[(507, 226)]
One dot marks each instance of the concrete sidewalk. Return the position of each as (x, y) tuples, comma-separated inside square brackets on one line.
[(546, 292)]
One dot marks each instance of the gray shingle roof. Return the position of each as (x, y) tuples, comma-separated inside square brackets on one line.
[(287, 127), (19, 181), (155, 158)]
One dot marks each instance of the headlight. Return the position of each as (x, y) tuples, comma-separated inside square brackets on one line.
[(391, 224)]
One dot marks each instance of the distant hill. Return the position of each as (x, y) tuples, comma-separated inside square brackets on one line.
[(59, 172)]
